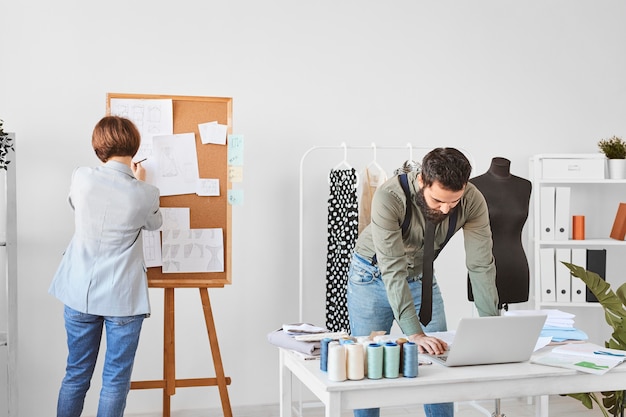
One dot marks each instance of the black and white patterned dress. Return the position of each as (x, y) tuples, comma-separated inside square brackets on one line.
[(343, 222)]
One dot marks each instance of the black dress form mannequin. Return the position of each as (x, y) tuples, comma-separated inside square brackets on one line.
[(507, 198)]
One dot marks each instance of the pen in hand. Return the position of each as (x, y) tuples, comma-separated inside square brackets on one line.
[(138, 170)]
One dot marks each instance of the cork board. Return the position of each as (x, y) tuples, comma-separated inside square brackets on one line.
[(205, 212)]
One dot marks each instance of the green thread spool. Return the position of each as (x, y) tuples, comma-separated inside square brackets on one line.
[(374, 361), (391, 360)]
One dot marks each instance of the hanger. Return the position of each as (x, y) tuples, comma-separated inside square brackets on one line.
[(374, 164), (344, 165), (409, 165), (374, 172)]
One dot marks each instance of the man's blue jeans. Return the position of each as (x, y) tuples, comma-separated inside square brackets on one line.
[(369, 311), (84, 333)]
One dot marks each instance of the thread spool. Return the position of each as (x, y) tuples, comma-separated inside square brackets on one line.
[(336, 362), (354, 360), (410, 364), (363, 342), (391, 360), (346, 339), (324, 354), (374, 361), (401, 341)]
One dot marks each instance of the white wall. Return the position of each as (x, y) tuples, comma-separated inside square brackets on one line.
[(498, 78)]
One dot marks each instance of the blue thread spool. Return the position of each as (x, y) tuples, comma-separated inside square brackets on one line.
[(410, 366), (374, 361), (401, 341), (324, 354), (391, 361)]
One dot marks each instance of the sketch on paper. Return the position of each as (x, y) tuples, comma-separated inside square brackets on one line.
[(193, 250), (213, 132), (176, 163), (151, 248), (175, 218), (208, 187)]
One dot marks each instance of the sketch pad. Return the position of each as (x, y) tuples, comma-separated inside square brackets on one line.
[(489, 340)]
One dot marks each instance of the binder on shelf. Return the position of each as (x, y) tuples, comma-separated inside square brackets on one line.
[(579, 288), (618, 231), (547, 274), (561, 213), (546, 216), (596, 262), (563, 275)]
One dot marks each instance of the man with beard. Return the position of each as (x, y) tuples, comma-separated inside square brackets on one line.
[(385, 277)]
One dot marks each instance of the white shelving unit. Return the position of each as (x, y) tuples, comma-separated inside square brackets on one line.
[(8, 278), (595, 198)]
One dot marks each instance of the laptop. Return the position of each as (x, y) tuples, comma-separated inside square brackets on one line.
[(490, 340)]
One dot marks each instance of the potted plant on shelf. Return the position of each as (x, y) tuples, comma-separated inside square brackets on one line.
[(614, 148), (614, 304), (6, 145)]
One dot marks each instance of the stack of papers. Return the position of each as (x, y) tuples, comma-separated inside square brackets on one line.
[(584, 357), (555, 318), (559, 325)]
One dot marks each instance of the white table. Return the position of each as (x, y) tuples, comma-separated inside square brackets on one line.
[(436, 384)]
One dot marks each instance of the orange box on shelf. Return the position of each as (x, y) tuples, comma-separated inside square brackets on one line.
[(578, 227)]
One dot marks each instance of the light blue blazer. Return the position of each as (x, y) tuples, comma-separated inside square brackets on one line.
[(103, 271)]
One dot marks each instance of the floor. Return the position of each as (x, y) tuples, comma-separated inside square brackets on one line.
[(559, 407)]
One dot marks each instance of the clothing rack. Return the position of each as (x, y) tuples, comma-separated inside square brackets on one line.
[(343, 165)]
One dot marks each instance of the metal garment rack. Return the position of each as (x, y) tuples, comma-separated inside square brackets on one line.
[(8, 339)]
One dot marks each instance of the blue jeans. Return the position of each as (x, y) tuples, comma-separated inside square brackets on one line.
[(369, 310), (84, 333)]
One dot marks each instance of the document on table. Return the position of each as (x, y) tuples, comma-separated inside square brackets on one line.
[(584, 357)]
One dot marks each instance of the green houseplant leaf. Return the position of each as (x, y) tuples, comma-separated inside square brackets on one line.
[(614, 304)]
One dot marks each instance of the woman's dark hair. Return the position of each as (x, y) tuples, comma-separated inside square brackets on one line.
[(115, 136), (449, 166)]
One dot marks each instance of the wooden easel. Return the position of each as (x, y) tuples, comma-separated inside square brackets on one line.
[(205, 212), (169, 383)]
